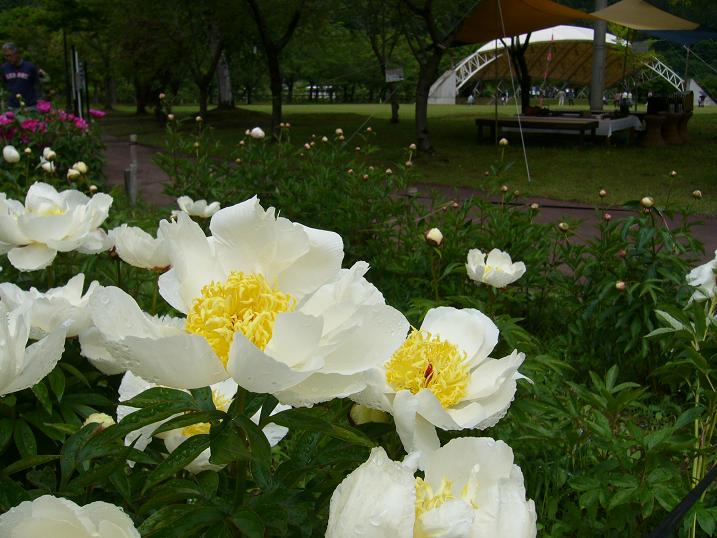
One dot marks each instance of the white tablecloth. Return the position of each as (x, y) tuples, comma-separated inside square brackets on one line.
[(607, 127)]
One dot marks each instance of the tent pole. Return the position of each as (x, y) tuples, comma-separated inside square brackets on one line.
[(597, 83), (687, 64), (495, 97)]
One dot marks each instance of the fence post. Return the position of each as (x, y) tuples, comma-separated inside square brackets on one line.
[(130, 174)]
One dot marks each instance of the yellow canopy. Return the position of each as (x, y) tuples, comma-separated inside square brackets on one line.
[(640, 15), (513, 17)]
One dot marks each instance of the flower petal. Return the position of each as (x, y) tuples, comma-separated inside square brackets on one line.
[(416, 433), (468, 328), (40, 359), (31, 257), (321, 388)]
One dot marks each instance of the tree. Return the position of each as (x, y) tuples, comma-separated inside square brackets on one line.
[(268, 27)]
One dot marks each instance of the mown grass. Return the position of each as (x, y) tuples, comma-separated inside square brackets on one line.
[(560, 167)]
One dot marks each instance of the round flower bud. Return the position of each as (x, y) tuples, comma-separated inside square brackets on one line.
[(673, 173), (199, 119), (339, 131), (503, 142), (196, 144), (93, 189), (647, 202), (534, 206), (10, 154), (350, 171), (324, 139), (486, 173), (342, 137), (162, 96), (455, 205), (257, 133), (504, 188), (389, 171), (313, 136), (247, 132), (563, 226), (237, 160), (313, 143), (412, 147), (281, 125), (241, 142), (370, 168), (365, 177), (409, 164), (307, 146), (170, 117), (620, 285), (607, 217), (48, 154), (602, 193), (73, 174), (358, 148), (288, 125), (369, 130), (81, 167), (621, 253), (516, 192), (104, 420), (434, 237), (48, 167), (697, 194), (27, 151)]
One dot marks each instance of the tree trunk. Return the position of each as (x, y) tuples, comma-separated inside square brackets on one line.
[(426, 76), (224, 83), (110, 93), (141, 96), (248, 95), (394, 104), (290, 90), (597, 81), (276, 88), (203, 100)]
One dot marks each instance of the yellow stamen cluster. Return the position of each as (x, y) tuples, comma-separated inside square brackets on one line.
[(427, 500), (425, 361), (244, 303), (221, 403)]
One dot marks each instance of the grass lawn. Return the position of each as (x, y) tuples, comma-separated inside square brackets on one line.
[(560, 167)]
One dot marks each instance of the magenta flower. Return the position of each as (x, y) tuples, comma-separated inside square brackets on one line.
[(43, 106), (6, 119), (97, 113), (81, 124), (34, 125)]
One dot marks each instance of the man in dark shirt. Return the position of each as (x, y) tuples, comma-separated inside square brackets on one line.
[(20, 76)]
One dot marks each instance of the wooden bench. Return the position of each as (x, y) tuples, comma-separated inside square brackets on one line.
[(540, 124)]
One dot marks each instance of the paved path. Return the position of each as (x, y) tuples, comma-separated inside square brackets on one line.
[(151, 179)]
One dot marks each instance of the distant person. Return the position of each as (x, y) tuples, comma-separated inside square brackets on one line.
[(571, 97), (21, 77), (561, 97), (471, 99), (703, 98)]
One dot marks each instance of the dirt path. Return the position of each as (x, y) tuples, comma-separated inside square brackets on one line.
[(151, 179)]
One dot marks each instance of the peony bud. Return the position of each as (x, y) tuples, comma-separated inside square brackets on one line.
[(563, 226), (607, 217), (455, 205), (358, 148), (104, 420), (288, 125), (602, 193), (365, 177), (369, 130), (516, 192), (434, 237), (48, 167), (27, 151), (370, 168), (697, 194), (10, 154), (409, 164), (162, 96), (81, 167), (503, 142), (350, 171), (647, 202), (620, 285), (48, 154), (312, 144), (504, 188), (307, 146), (247, 132), (324, 139), (621, 253), (389, 171), (257, 133), (412, 147), (237, 160), (486, 173), (342, 137), (196, 145), (281, 125), (241, 142), (339, 131), (199, 119), (93, 189), (673, 173), (73, 174), (170, 117), (534, 206)]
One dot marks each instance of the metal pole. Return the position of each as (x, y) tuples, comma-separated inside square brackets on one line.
[(131, 183), (597, 83)]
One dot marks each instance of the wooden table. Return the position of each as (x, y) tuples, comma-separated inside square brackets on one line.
[(540, 123)]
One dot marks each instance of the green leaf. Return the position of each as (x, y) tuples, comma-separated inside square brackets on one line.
[(145, 417), (229, 444), (248, 523), (63, 427), (203, 398), (32, 461), (40, 391), (24, 439), (258, 443), (688, 417), (5, 432), (188, 419), (163, 517), (611, 377), (159, 395), (306, 420), (182, 456), (57, 383), (706, 522), (622, 496)]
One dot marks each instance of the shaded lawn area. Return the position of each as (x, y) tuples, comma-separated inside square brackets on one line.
[(560, 167)]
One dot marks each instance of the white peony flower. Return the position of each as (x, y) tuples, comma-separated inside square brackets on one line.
[(64, 305), (21, 367), (471, 488), (266, 303), (47, 166), (50, 222), (136, 247), (73, 174), (257, 133), (62, 518), (10, 154), (442, 377), (222, 395), (497, 271), (704, 278), (434, 237), (198, 208)]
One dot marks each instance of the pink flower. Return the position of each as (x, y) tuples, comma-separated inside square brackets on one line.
[(5, 119), (34, 125), (43, 106), (97, 113), (81, 124)]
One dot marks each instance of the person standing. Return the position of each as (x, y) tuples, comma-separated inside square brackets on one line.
[(20, 77)]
